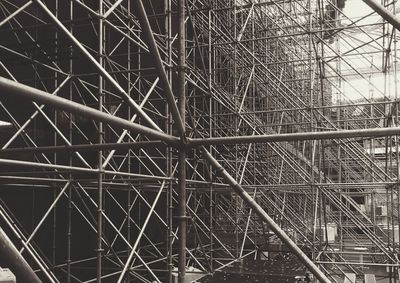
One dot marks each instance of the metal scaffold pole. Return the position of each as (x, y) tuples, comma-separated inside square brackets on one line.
[(181, 88), (99, 248), (384, 13), (265, 217), (18, 265)]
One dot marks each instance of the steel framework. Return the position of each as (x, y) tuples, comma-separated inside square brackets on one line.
[(154, 138)]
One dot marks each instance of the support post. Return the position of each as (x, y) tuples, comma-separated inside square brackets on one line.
[(99, 248), (182, 149)]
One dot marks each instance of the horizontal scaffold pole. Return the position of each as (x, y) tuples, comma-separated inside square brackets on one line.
[(85, 147), (265, 217), (15, 89), (325, 135), (12, 162)]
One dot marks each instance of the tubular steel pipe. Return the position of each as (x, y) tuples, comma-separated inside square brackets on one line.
[(182, 150), (384, 13), (67, 168), (84, 147), (151, 42), (5, 126), (375, 132), (17, 264), (99, 248), (11, 88), (15, 13), (265, 217)]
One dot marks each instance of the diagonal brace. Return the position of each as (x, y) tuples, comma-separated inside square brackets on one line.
[(265, 217), (145, 24), (11, 88)]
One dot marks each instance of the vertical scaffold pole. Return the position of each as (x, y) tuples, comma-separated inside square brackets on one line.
[(100, 153), (182, 150)]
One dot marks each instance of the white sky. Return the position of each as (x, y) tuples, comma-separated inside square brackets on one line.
[(373, 84)]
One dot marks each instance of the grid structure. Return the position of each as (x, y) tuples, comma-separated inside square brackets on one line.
[(144, 140)]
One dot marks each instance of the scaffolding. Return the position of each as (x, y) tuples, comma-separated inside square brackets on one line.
[(143, 140)]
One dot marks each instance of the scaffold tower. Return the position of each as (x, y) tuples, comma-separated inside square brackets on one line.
[(154, 141)]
